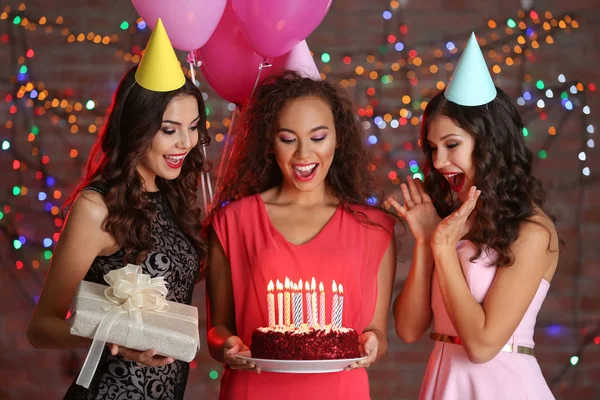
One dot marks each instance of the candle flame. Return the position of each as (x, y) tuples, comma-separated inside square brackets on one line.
[(287, 283), (306, 286), (270, 286), (279, 285), (321, 287), (300, 284), (341, 289), (295, 287), (334, 287), (313, 284)]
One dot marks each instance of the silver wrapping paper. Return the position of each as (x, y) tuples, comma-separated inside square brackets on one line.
[(166, 332)]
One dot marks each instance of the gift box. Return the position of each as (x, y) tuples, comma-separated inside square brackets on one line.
[(132, 312)]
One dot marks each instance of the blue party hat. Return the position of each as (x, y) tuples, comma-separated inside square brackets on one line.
[(471, 84)]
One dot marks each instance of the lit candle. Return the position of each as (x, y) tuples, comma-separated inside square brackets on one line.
[(341, 304), (271, 303), (309, 316), (297, 299), (321, 305), (286, 301), (334, 306), (301, 301), (313, 289), (279, 302)]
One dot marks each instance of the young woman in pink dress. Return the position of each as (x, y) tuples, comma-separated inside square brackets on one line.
[(295, 203), (481, 270)]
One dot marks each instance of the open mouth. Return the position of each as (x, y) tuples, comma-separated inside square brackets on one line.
[(174, 161), (305, 172), (456, 180)]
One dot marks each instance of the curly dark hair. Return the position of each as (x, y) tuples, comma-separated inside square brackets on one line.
[(134, 118), (509, 191), (252, 167)]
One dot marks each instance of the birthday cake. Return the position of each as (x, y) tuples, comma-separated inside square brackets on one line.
[(304, 343), (291, 338)]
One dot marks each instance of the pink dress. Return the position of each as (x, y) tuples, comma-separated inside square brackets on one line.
[(345, 250), (451, 376)]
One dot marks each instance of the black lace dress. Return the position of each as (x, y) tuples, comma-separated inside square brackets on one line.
[(174, 257)]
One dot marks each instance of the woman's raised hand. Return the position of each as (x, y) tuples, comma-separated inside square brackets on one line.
[(418, 210)]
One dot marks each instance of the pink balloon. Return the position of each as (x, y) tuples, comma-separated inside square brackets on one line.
[(189, 23), (274, 27), (298, 59), (229, 64)]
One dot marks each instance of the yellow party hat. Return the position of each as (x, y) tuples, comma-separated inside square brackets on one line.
[(159, 69)]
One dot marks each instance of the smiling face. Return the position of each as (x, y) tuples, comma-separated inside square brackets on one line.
[(304, 143), (452, 154), (178, 134)]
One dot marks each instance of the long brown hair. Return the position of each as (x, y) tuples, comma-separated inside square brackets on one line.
[(252, 167), (134, 118), (509, 191)]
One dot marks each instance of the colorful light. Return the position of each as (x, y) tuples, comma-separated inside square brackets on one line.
[(574, 360), (586, 171)]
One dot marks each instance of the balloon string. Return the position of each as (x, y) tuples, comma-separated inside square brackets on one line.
[(191, 59), (263, 65), (226, 154)]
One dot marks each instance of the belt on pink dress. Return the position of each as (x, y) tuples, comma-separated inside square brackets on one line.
[(438, 337)]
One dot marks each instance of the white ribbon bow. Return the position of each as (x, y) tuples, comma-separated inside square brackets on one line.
[(132, 292)]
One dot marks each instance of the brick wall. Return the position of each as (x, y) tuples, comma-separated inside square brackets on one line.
[(85, 71)]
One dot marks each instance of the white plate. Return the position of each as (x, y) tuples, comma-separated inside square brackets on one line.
[(299, 366)]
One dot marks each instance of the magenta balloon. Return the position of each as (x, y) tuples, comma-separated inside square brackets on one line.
[(189, 23), (229, 64), (274, 27), (298, 59)]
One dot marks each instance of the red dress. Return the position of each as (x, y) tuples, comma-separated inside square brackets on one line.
[(345, 250)]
